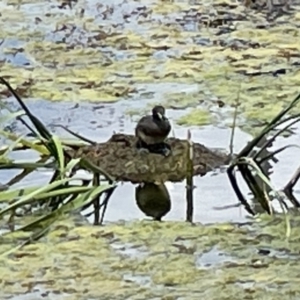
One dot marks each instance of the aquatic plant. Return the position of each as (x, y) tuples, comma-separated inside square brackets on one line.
[(63, 194), (249, 163)]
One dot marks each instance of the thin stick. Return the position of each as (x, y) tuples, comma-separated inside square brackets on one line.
[(189, 180), (76, 134), (234, 122), (96, 182)]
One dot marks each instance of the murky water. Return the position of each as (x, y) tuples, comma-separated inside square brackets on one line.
[(98, 124), (98, 121), (213, 258), (40, 293)]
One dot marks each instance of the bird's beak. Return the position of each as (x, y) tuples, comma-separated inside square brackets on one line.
[(160, 116)]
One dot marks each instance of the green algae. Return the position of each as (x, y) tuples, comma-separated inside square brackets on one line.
[(243, 60), (198, 117), (184, 100), (75, 259)]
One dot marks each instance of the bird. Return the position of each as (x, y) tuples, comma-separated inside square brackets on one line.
[(152, 130), (153, 199)]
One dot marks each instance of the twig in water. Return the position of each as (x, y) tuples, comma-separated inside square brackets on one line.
[(189, 180), (76, 134), (229, 206), (96, 181), (237, 103)]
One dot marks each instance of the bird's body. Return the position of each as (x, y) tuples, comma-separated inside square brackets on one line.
[(153, 200), (153, 129)]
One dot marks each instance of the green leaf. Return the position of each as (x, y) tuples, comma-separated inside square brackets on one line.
[(59, 154), (29, 198)]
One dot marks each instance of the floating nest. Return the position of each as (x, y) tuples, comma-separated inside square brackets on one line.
[(120, 158)]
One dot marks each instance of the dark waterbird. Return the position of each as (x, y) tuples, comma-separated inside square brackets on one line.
[(152, 131), (153, 200)]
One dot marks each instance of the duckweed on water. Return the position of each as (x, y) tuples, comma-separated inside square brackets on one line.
[(198, 117), (74, 260), (102, 53), (99, 61), (184, 100)]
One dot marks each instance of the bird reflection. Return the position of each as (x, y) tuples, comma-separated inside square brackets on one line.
[(153, 200)]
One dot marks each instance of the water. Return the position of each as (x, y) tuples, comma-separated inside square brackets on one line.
[(39, 293), (213, 258), (99, 122), (211, 191)]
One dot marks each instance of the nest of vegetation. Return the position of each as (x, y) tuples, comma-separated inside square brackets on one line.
[(120, 158)]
